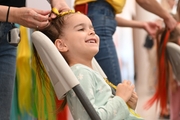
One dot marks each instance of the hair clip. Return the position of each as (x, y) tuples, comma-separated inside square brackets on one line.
[(66, 12), (55, 11)]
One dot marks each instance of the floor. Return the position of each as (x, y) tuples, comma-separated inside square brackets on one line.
[(145, 90), (144, 94)]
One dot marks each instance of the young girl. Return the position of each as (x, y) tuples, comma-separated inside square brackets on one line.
[(73, 35)]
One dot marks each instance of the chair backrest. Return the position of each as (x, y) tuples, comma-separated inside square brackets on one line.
[(97, 68), (174, 57), (62, 77)]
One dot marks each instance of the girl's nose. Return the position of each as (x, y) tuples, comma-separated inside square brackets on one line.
[(92, 32)]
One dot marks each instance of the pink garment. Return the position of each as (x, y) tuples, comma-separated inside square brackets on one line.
[(175, 105)]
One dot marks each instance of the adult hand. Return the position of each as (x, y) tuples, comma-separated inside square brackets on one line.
[(61, 5), (151, 28), (125, 90), (132, 102), (170, 23), (28, 17)]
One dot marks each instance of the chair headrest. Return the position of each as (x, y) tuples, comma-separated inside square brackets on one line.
[(59, 72)]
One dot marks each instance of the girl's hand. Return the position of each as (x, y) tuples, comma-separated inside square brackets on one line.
[(132, 102), (125, 90)]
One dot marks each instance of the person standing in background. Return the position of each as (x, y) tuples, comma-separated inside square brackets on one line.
[(15, 12), (151, 47), (167, 88)]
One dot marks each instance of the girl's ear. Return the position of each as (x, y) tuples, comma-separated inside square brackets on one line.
[(60, 45)]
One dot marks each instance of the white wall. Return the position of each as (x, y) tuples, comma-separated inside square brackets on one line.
[(39, 4), (43, 4), (123, 39)]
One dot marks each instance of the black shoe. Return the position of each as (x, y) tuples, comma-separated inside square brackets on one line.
[(164, 117)]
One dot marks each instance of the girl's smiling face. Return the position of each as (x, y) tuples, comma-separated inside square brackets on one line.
[(79, 37)]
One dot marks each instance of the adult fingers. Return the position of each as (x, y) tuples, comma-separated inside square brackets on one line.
[(40, 17), (41, 25)]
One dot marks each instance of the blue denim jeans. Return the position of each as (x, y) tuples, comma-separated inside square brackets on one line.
[(7, 71), (103, 18)]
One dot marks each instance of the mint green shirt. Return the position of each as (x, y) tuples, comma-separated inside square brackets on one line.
[(108, 106)]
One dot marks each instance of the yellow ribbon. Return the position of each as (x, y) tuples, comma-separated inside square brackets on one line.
[(55, 11)]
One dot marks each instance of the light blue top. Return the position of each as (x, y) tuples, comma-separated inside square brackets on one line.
[(108, 106)]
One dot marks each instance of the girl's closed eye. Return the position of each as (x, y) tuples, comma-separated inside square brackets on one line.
[(81, 29)]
